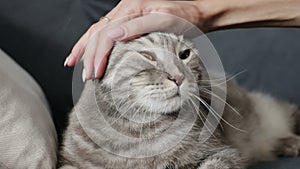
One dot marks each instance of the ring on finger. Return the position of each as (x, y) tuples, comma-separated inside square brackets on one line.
[(105, 18)]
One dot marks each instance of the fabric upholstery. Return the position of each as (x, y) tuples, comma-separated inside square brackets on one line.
[(27, 133)]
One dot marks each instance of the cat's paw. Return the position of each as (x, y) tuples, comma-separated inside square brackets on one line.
[(289, 147)]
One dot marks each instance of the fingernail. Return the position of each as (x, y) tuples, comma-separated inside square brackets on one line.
[(96, 70), (66, 61), (116, 33), (83, 75)]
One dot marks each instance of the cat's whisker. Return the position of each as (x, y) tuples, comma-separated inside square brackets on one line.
[(110, 98), (209, 108), (227, 78), (193, 104), (138, 109), (151, 93), (145, 84), (221, 80), (199, 113), (150, 119), (142, 105), (224, 101), (142, 126), (122, 114), (214, 112), (125, 89), (138, 85)]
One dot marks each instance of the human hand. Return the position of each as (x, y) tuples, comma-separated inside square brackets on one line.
[(130, 19)]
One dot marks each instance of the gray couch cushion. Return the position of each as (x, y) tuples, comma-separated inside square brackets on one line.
[(283, 163), (27, 133)]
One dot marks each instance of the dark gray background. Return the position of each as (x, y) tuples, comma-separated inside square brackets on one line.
[(270, 57), (39, 34)]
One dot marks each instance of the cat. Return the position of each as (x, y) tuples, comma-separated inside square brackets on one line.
[(127, 119)]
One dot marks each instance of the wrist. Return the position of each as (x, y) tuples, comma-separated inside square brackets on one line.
[(209, 14), (238, 13)]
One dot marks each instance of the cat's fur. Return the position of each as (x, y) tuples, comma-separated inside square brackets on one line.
[(262, 129)]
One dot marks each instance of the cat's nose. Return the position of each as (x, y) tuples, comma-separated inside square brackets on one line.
[(178, 79)]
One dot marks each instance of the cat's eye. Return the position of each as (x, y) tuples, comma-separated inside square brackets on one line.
[(184, 54), (148, 55)]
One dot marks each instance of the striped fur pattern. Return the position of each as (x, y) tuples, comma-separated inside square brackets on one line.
[(146, 83)]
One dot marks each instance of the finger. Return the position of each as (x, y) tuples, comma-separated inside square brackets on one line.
[(107, 41), (77, 51), (102, 54), (131, 38), (80, 46), (103, 50), (102, 63), (88, 58)]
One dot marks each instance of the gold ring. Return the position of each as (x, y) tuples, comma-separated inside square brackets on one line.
[(105, 18)]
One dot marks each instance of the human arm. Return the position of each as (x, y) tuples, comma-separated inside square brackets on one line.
[(208, 15)]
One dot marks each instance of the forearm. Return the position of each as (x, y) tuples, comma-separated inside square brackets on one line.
[(252, 13)]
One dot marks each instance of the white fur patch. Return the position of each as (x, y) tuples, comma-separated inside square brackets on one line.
[(275, 123)]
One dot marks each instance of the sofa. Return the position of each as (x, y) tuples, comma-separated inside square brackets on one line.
[(39, 34)]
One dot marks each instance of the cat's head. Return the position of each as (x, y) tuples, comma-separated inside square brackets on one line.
[(156, 72)]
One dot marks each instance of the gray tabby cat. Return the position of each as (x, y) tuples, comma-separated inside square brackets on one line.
[(153, 76)]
